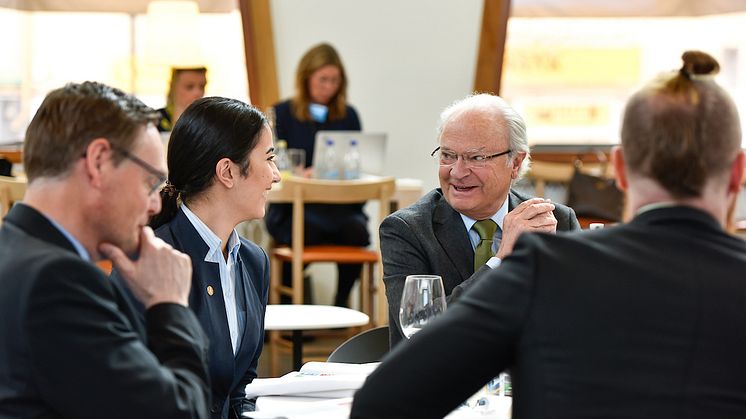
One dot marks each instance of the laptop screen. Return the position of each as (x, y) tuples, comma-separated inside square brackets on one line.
[(372, 147)]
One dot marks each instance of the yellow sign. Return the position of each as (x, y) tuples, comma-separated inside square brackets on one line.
[(572, 66), (567, 115)]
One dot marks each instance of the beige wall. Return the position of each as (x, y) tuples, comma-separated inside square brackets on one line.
[(406, 60)]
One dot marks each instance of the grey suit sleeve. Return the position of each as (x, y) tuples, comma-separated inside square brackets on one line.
[(462, 287), (566, 218), (403, 255)]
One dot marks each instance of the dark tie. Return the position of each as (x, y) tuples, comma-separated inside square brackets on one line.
[(483, 252)]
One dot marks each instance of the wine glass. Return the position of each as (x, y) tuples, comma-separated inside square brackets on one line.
[(422, 300)]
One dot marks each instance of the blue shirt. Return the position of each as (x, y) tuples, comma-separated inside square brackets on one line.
[(76, 244)]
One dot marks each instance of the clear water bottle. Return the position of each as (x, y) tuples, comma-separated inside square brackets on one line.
[(352, 161), (329, 168), (281, 159)]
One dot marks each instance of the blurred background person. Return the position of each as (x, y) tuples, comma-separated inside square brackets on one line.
[(320, 103), (219, 175), (186, 86), (643, 319)]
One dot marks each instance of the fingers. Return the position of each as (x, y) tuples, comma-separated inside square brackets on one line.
[(160, 274), (119, 259), (147, 239), (532, 207), (164, 274), (532, 215)]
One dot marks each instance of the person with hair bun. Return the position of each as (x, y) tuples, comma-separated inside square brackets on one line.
[(643, 319), (220, 170)]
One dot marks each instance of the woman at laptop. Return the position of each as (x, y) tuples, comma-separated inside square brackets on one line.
[(319, 104), (220, 168)]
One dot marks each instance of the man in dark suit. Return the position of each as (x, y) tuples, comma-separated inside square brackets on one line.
[(70, 346), (482, 151), (644, 319)]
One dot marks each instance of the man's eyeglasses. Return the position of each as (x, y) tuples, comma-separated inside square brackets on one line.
[(160, 178), (449, 158)]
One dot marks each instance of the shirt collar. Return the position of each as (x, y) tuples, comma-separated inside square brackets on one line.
[(212, 241), (656, 205), (76, 244), (497, 217)]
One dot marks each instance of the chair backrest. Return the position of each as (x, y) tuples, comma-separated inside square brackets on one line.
[(320, 191), (542, 172), (11, 190), (368, 346)]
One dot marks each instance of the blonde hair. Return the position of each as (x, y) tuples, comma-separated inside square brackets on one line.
[(175, 73), (319, 56)]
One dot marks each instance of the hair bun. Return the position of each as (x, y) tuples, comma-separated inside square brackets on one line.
[(698, 63)]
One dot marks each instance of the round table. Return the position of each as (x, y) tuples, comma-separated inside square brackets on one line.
[(300, 317)]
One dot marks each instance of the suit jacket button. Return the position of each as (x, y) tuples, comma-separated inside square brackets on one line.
[(215, 408)]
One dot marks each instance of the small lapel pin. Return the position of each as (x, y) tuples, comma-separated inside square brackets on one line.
[(210, 290)]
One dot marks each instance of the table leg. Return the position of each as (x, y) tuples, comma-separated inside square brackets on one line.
[(297, 349)]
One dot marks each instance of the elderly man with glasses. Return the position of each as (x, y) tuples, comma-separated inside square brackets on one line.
[(70, 344), (463, 229)]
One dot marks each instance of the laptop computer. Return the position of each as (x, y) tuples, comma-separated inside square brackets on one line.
[(372, 147)]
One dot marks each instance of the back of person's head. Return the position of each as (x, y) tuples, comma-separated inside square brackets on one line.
[(319, 56), (682, 129), (500, 114), (71, 117), (176, 73), (211, 128)]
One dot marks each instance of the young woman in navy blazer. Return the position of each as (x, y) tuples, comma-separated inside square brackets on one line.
[(221, 168)]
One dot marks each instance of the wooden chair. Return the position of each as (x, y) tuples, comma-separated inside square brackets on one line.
[(301, 191), (543, 172), (11, 190)]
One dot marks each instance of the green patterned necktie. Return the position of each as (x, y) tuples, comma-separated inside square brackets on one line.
[(483, 252)]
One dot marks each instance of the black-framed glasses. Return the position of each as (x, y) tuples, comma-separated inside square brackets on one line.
[(160, 177), (471, 160)]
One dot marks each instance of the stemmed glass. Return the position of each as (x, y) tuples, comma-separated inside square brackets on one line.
[(422, 300)]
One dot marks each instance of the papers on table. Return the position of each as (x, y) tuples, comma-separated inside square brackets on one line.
[(284, 407), (484, 406), (324, 390), (318, 390), (315, 379)]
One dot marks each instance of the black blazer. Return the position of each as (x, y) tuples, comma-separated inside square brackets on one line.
[(429, 237), (643, 320), (70, 345), (229, 374)]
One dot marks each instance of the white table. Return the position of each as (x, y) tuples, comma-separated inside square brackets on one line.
[(300, 317)]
